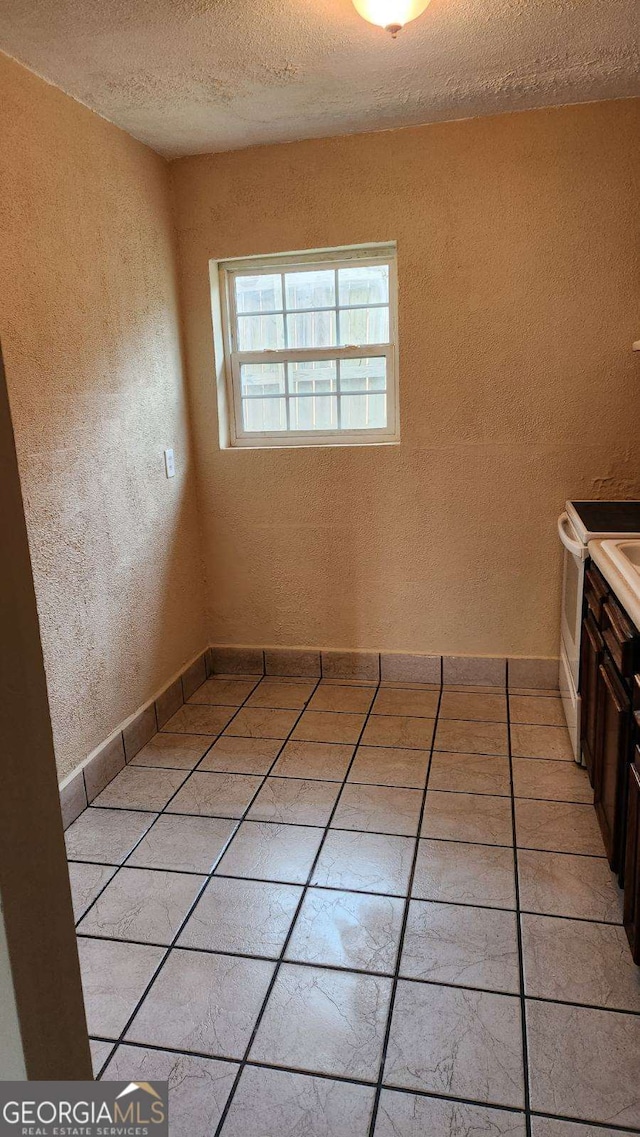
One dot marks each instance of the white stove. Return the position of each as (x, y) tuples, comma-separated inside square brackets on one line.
[(584, 521)]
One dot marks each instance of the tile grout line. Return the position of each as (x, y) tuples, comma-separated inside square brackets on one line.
[(403, 928), (523, 1012), (391, 714), (342, 969), (381, 785), (378, 832), (373, 686), (343, 888), (568, 762), (207, 877), (391, 685), (281, 958)]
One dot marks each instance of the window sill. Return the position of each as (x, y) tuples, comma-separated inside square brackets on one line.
[(377, 442)]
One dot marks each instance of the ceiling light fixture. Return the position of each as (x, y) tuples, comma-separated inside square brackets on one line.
[(391, 15)]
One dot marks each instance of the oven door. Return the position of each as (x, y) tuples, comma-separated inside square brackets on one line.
[(575, 555)]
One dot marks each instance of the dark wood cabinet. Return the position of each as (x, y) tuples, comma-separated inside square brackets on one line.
[(591, 649), (610, 734), (611, 759), (632, 860)]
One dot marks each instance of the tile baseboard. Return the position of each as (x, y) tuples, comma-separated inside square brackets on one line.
[(475, 670), (83, 785), (398, 667), (536, 673), (368, 666)]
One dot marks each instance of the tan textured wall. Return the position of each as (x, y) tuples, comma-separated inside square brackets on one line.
[(90, 332), (519, 275)]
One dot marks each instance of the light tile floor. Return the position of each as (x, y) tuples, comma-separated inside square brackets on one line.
[(341, 910)]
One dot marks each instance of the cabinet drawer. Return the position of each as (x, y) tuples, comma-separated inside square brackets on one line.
[(596, 591), (620, 636)]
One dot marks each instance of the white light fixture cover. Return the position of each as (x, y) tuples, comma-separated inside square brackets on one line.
[(391, 15)]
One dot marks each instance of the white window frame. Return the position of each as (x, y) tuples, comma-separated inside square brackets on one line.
[(232, 432)]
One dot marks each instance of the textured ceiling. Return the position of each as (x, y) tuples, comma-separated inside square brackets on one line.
[(190, 76)]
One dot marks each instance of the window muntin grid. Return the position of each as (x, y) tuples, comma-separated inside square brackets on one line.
[(312, 349)]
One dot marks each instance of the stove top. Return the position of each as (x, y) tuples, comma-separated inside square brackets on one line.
[(596, 519)]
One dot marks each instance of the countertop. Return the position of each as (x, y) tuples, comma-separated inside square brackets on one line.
[(628, 597)]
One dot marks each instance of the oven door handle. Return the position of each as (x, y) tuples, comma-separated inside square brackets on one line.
[(576, 548)]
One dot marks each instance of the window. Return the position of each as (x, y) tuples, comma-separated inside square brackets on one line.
[(310, 348)]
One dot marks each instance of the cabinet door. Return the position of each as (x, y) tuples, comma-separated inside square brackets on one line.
[(611, 760), (591, 648), (632, 862)]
